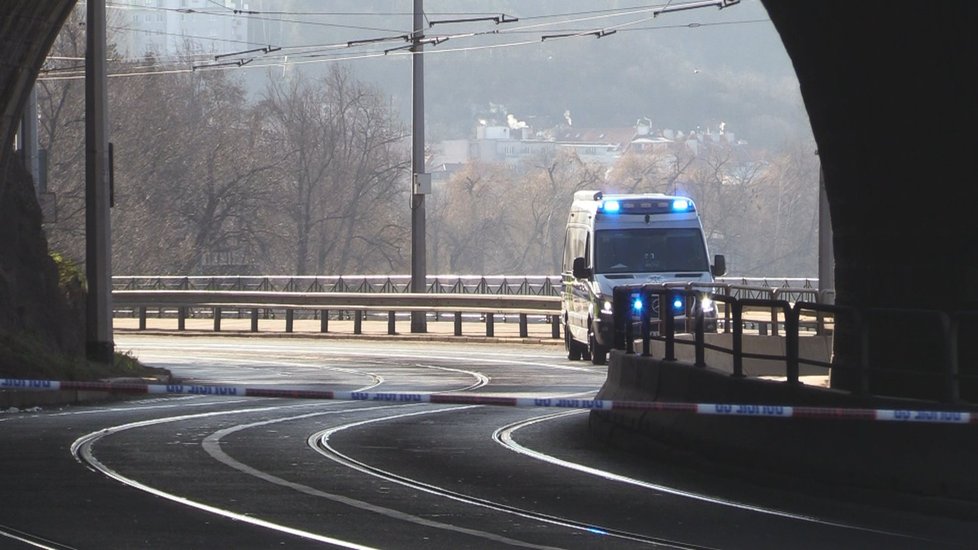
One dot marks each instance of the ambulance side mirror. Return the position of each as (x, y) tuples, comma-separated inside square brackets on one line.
[(581, 270), (719, 267)]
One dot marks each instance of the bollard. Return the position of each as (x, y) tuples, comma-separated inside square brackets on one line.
[(646, 320), (524, 330), (217, 319), (142, 318), (358, 322), (555, 326), (324, 321), (181, 318), (670, 327), (490, 328), (458, 323), (791, 345), (738, 340), (390, 323), (254, 320), (289, 320), (699, 328)]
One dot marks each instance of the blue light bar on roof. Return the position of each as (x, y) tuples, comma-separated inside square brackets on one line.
[(681, 205), (645, 205)]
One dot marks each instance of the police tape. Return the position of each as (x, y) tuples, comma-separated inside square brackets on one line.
[(717, 409)]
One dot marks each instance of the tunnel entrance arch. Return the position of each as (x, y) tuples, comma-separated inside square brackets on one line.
[(891, 105)]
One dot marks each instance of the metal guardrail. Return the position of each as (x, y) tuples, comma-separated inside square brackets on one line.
[(186, 302), (535, 285), (343, 295), (520, 285), (864, 322)]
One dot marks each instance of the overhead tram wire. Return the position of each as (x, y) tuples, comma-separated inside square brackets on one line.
[(315, 57), (693, 25), (594, 14), (316, 50), (451, 13), (191, 11)]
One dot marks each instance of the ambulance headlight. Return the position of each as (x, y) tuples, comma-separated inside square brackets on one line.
[(606, 307), (707, 305)]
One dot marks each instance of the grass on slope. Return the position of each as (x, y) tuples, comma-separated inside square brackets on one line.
[(22, 356)]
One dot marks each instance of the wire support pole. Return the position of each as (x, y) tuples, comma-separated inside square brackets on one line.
[(99, 345), (419, 272)]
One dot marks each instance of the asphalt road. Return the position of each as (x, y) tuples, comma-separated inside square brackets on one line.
[(231, 472)]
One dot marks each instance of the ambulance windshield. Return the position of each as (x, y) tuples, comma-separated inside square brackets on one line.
[(649, 250)]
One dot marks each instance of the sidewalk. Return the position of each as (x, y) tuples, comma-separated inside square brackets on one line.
[(507, 331)]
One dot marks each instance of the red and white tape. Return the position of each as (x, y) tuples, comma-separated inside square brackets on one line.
[(720, 409)]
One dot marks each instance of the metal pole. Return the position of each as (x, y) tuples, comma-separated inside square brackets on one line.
[(826, 254), (98, 319), (419, 272), (28, 138)]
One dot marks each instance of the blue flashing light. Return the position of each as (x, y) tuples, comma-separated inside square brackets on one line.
[(678, 303), (681, 205), (637, 304), (611, 207)]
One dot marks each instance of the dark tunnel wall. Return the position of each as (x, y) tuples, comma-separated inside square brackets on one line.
[(892, 103)]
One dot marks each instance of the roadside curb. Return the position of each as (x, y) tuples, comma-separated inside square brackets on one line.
[(21, 400), (428, 337)]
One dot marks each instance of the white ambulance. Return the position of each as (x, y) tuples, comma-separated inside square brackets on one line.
[(614, 240)]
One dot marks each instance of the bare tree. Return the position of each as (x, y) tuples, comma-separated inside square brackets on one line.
[(551, 181), (344, 174)]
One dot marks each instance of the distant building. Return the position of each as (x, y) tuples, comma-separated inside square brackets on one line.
[(496, 143), (601, 146)]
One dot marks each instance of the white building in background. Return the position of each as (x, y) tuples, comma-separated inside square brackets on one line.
[(168, 28)]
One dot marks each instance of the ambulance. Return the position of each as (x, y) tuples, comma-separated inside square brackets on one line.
[(614, 240)]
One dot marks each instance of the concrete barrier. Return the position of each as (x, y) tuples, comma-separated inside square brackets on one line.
[(934, 460), (14, 399)]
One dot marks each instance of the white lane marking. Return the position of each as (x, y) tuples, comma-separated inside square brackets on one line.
[(25, 541), (469, 356), (377, 379), (139, 407), (81, 449), (211, 445), (504, 436), (320, 443), (20, 536), (480, 379)]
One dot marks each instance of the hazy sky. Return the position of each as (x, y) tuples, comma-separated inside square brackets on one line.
[(684, 70)]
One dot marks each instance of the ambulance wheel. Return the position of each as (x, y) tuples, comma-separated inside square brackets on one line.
[(575, 350)]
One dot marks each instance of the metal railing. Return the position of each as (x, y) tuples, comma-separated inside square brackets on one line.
[(521, 285), (352, 305), (867, 326)]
